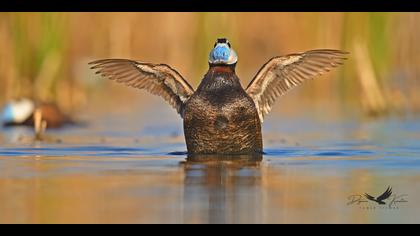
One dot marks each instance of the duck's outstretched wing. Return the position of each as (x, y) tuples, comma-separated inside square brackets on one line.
[(158, 79), (280, 74)]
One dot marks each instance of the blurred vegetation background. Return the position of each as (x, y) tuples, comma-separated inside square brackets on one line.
[(45, 55)]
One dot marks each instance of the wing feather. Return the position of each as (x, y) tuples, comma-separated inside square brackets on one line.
[(158, 79), (280, 74)]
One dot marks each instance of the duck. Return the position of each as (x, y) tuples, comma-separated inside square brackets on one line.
[(221, 117), (39, 115)]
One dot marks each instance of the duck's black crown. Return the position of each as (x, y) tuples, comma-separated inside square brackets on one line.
[(222, 40)]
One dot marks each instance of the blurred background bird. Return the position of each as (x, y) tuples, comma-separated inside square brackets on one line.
[(36, 114)]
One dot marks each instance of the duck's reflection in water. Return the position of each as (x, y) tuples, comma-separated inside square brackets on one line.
[(222, 189)]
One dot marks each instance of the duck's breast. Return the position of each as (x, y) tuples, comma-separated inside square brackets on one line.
[(221, 122)]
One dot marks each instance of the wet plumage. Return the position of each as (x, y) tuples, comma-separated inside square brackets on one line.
[(227, 123), (221, 117)]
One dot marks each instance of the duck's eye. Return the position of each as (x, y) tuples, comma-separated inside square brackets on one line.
[(215, 45), (228, 44)]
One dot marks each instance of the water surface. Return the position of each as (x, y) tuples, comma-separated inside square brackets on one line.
[(129, 166)]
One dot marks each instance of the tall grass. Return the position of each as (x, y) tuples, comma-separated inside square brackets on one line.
[(37, 43)]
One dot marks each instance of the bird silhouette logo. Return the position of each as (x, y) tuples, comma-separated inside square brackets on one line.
[(380, 199)]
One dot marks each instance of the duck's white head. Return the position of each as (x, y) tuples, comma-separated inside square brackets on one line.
[(222, 53), (17, 111)]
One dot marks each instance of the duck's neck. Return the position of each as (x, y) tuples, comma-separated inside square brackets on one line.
[(222, 68), (220, 77)]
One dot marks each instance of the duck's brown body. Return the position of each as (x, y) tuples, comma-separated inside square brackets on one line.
[(221, 117)]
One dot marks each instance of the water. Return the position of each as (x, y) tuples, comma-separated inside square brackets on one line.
[(129, 166)]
